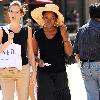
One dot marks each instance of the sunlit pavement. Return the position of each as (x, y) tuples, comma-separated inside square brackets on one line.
[(75, 83)]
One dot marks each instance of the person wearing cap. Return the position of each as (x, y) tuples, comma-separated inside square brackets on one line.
[(15, 49), (87, 49), (53, 42)]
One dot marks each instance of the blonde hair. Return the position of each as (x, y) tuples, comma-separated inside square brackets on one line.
[(18, 3)]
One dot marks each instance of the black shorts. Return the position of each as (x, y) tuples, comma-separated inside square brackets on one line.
[(52, 86)]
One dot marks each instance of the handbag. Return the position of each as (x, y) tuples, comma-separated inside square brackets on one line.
[(76, 82)]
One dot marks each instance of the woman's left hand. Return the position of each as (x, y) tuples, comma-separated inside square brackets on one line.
[(64, 32)]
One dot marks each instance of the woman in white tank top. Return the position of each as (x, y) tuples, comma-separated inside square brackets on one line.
[(14, 67)]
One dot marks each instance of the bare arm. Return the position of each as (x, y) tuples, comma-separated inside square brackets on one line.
[(30, 49), (31, 56), (35, 49), (6, 44), (35, 46), (67, 43)]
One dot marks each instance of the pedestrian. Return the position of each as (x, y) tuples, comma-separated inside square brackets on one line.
[(28, 22), (15, 49), (87, 49), (53, 43)]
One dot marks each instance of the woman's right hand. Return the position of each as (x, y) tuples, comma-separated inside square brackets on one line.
[(41, 63), (10, 37)]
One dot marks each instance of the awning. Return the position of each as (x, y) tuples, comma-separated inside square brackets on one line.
[(38, 1)]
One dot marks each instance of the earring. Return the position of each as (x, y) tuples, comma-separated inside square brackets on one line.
[(56, 24)]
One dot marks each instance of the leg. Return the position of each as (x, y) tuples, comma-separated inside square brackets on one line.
[(22, 83), (99, 85), (62, 91), (98, 75), (92, 89), (8, 87), (90, 83), (45, 87), (7, 83)]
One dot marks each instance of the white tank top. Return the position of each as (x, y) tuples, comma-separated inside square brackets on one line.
[(11, 56)]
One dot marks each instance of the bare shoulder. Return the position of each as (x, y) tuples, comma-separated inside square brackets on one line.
[(29, 32), (1, 34), (1, 30)]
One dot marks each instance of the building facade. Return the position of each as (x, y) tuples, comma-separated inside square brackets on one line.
[(74, 11)]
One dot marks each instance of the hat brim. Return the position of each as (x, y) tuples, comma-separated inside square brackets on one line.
[(38, 17)]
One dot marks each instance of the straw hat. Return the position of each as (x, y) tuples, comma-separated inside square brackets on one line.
[(38, 17)]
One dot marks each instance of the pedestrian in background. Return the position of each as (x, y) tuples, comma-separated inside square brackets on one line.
[(87, 49), (28, 22), (15, 43), (53, 42)]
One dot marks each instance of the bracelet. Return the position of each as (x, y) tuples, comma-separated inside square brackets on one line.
[(65, 41), (37, 59)]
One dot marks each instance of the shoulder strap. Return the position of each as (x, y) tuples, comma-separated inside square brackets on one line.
[(6, 28), (25, 31)]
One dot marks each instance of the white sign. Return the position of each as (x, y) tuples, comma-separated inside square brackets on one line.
[(11, 57)]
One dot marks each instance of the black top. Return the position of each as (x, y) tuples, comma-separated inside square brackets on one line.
[(87, 42), (21, 39), (51, 51)]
